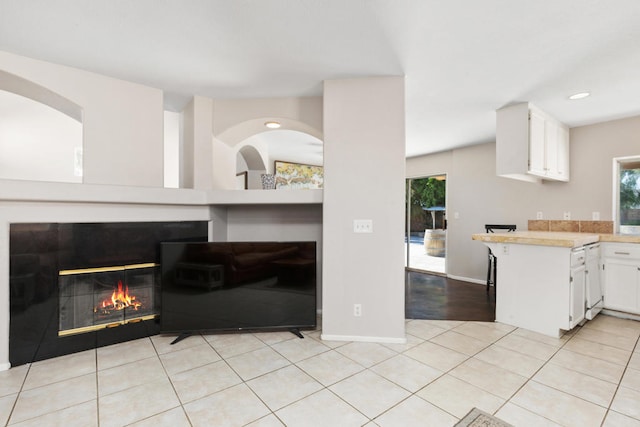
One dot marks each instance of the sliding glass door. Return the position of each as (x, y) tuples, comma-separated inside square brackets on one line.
[(426, 224)]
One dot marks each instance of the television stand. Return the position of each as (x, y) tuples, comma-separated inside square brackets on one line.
[(180, 337), (296, 332)]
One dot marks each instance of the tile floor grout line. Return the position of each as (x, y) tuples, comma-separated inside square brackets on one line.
[(304, 397), (181, 403), (462, 362), (613, 398), (15, 403), (447, 371), (95, 355), (395, 353), (529, 378)]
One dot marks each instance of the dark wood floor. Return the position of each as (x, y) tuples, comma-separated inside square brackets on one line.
[(428, 296)]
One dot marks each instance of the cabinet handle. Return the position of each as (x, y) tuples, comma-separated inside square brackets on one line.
[(622, 253)]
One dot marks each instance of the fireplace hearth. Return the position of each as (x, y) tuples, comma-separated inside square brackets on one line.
[(79, 286)]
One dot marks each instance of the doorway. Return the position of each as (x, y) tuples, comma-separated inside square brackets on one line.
[(426, 224)]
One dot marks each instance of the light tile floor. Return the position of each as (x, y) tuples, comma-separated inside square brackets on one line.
[(590, 377)]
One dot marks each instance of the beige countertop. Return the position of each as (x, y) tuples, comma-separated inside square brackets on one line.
[(620, 238), (539, 238), (552, 238)]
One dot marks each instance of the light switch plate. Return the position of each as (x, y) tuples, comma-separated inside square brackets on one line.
[(362, 226)]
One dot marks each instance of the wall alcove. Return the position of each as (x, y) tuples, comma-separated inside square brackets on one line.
[(41, 134), (258, 153)]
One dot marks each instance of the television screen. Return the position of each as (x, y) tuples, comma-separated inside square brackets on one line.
[(235, 286)]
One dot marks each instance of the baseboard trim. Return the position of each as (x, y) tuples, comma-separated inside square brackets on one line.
[(382, 340), (5, 366), (467, 279), (620, 314)]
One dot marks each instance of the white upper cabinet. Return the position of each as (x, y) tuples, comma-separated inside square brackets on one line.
[(531, 145)]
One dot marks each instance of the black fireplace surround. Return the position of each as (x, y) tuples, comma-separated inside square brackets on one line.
[(55, 267)]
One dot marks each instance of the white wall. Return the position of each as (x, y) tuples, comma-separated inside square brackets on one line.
[(37, 142), (480, 197), (172, 158), (198, 144), (122, 121), (235, 120), (364, 179), (224, 165)]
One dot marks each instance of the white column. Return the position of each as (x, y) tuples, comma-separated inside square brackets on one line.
[(364, 161), (197, 149)]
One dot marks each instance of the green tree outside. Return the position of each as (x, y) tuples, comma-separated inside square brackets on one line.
[(425, 193), (629, 196)]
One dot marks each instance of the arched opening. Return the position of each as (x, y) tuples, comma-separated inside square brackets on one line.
[(40, 133), (251, 165), (259, 154)]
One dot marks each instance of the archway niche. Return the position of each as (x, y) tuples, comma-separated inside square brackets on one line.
[(40, 133), (250, 162), (258, 148)]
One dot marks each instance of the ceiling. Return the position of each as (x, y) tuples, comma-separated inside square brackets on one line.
[(289, 145), (462, 59)]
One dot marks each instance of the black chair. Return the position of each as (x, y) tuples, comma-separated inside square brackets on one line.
[(493, 261)]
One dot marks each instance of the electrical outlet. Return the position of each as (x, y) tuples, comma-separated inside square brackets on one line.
[(362, 226), (595, 216), (539, 215), (505, 249), (566, 216), (357, 310)]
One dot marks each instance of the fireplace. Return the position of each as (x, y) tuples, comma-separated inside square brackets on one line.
[(79, 286), (106, 297)]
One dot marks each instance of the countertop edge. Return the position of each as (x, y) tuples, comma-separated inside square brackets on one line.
[(565, 240)]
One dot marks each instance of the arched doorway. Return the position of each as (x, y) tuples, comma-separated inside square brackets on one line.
[(257, 154)]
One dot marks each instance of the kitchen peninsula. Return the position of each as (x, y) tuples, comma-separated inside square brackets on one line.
[(549, 282)]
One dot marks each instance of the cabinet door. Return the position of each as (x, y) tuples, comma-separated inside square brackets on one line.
[(536, 144), (562, 151), (621, 285), (551, 130), (593, 284), (577, 296)]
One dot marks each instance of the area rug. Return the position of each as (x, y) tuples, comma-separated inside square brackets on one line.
[(478, 418)]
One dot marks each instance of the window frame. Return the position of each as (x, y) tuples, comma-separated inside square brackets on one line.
[(618, 165)]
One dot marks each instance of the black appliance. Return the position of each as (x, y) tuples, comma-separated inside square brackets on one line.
[(238, 286)]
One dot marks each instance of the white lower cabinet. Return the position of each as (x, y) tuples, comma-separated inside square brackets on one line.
[(621, 277), (593, 281), (540, 288), (577, 296)]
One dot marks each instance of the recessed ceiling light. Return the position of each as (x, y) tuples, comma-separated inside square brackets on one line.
[(272, 125), (579, 95)]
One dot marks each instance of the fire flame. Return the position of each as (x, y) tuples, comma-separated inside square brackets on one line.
[(120, 300)]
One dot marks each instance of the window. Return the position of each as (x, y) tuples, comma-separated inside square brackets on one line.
[(627, 194)]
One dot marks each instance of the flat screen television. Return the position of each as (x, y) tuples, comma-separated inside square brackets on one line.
[(238, 286)]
